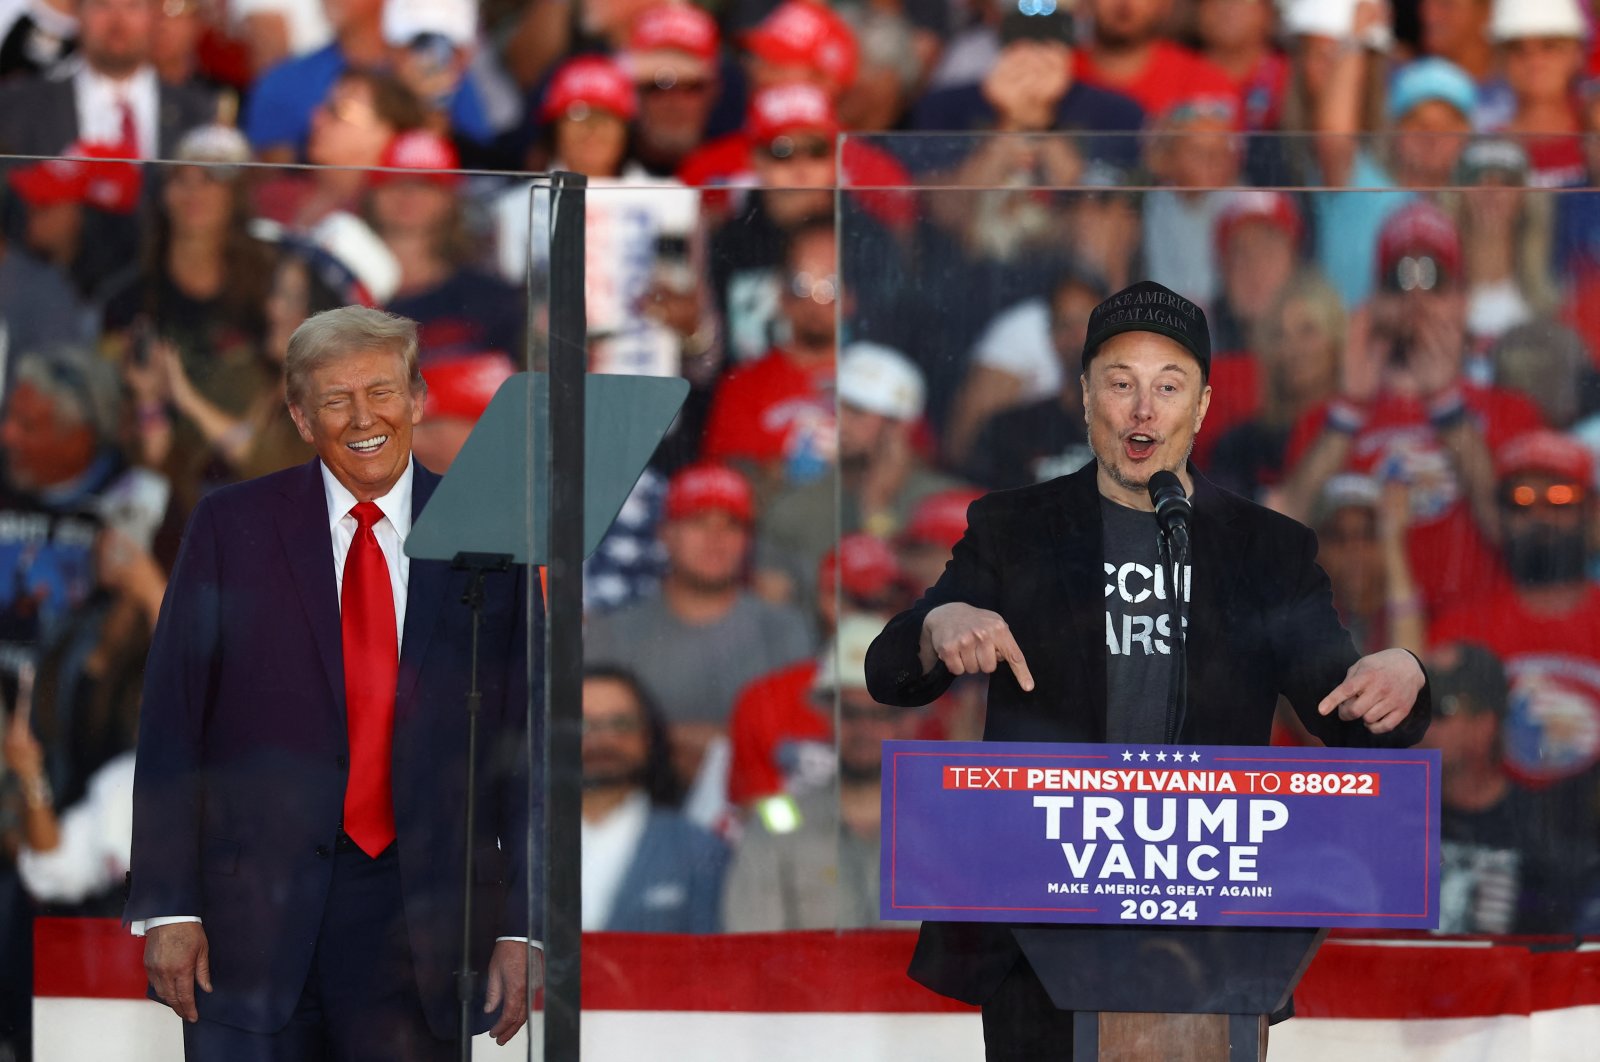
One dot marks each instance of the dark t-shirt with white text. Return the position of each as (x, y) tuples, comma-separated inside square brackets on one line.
[(1139, 645)]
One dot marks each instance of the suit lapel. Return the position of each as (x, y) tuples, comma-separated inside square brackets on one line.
[(1076, 528), (303, 527), (425, 594)]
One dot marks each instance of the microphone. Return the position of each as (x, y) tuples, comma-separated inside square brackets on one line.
[(1172, 505)]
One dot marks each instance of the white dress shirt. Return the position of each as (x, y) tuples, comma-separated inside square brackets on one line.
[(390, 532), (99, 100)]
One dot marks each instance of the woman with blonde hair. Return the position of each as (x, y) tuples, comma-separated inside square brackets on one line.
[(1298, 342)]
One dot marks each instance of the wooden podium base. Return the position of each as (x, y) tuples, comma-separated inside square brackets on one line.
[(1112, 1036)]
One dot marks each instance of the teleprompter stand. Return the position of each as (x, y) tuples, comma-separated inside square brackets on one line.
[(523, 492), (1158, 994)]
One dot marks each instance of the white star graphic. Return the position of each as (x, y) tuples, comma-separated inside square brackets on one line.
[(1143, 756), (1162, 756), (1177, 757), (1126, 755), (1194, 757)]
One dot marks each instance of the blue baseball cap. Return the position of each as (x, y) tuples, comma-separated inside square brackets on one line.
[(1431, 79)]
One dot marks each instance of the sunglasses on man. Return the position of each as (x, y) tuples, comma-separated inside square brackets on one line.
[(1555, 496)]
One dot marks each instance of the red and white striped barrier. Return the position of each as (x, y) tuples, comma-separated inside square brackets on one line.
[(803, 996)]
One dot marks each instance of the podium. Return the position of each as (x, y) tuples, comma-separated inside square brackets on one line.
[(1169, 898), (1170, 994)]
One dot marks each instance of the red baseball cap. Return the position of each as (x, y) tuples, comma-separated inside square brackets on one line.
[(1546, 451), (675, 27), (462, 386), (592, 81), (705, 487), (1419, 231), (807, 34), (782, 109), (1251, 205), (940, 519), (100, 175), (419, 149), (863, 565), (51, 182)]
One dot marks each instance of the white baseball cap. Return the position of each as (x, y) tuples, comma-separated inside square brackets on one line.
[(1317, 18), (881, 380), (351, 242), (406, 20), (1513, 20)]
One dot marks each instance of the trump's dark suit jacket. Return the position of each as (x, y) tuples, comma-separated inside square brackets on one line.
[(240, 777), (1261, 623)]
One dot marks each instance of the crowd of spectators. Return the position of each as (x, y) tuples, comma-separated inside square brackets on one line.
[(869, 235)]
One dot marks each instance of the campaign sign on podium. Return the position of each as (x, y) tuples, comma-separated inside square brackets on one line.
[(1160, 834)]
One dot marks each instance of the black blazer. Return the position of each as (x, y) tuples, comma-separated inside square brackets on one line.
[(1261, 624)]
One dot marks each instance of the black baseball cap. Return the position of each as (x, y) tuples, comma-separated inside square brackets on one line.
[(1151, 307)]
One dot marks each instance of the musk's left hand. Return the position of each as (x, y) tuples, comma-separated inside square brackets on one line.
[(1379, 690), (516, 970)]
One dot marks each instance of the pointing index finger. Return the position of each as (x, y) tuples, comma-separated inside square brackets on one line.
[(1339, 694), (1019, 665)]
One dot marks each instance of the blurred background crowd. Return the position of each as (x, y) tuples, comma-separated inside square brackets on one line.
[(810, 212)]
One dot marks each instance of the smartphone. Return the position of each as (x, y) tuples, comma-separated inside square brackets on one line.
[(673, 269), (1037, 20)]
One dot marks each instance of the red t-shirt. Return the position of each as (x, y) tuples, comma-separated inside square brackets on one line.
[(1262, 91), (1556, 161), (767, 409), (885, 185), (1553, 663), (1172, 75), (781, 740), (1452, 560)]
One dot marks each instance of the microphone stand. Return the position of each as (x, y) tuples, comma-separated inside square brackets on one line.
[(1173, 549), (477, 565)]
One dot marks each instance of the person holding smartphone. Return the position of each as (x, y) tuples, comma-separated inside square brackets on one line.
[(1408, 404)]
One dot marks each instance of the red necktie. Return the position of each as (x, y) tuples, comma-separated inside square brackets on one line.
[(371, 664), (130, 132)]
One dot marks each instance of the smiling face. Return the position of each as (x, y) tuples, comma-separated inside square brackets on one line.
[(358, 409), (1144, 400)]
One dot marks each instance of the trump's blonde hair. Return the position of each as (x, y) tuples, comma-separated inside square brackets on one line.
[(332, 334)]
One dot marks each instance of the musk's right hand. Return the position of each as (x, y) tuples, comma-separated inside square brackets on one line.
[(970, 640)]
